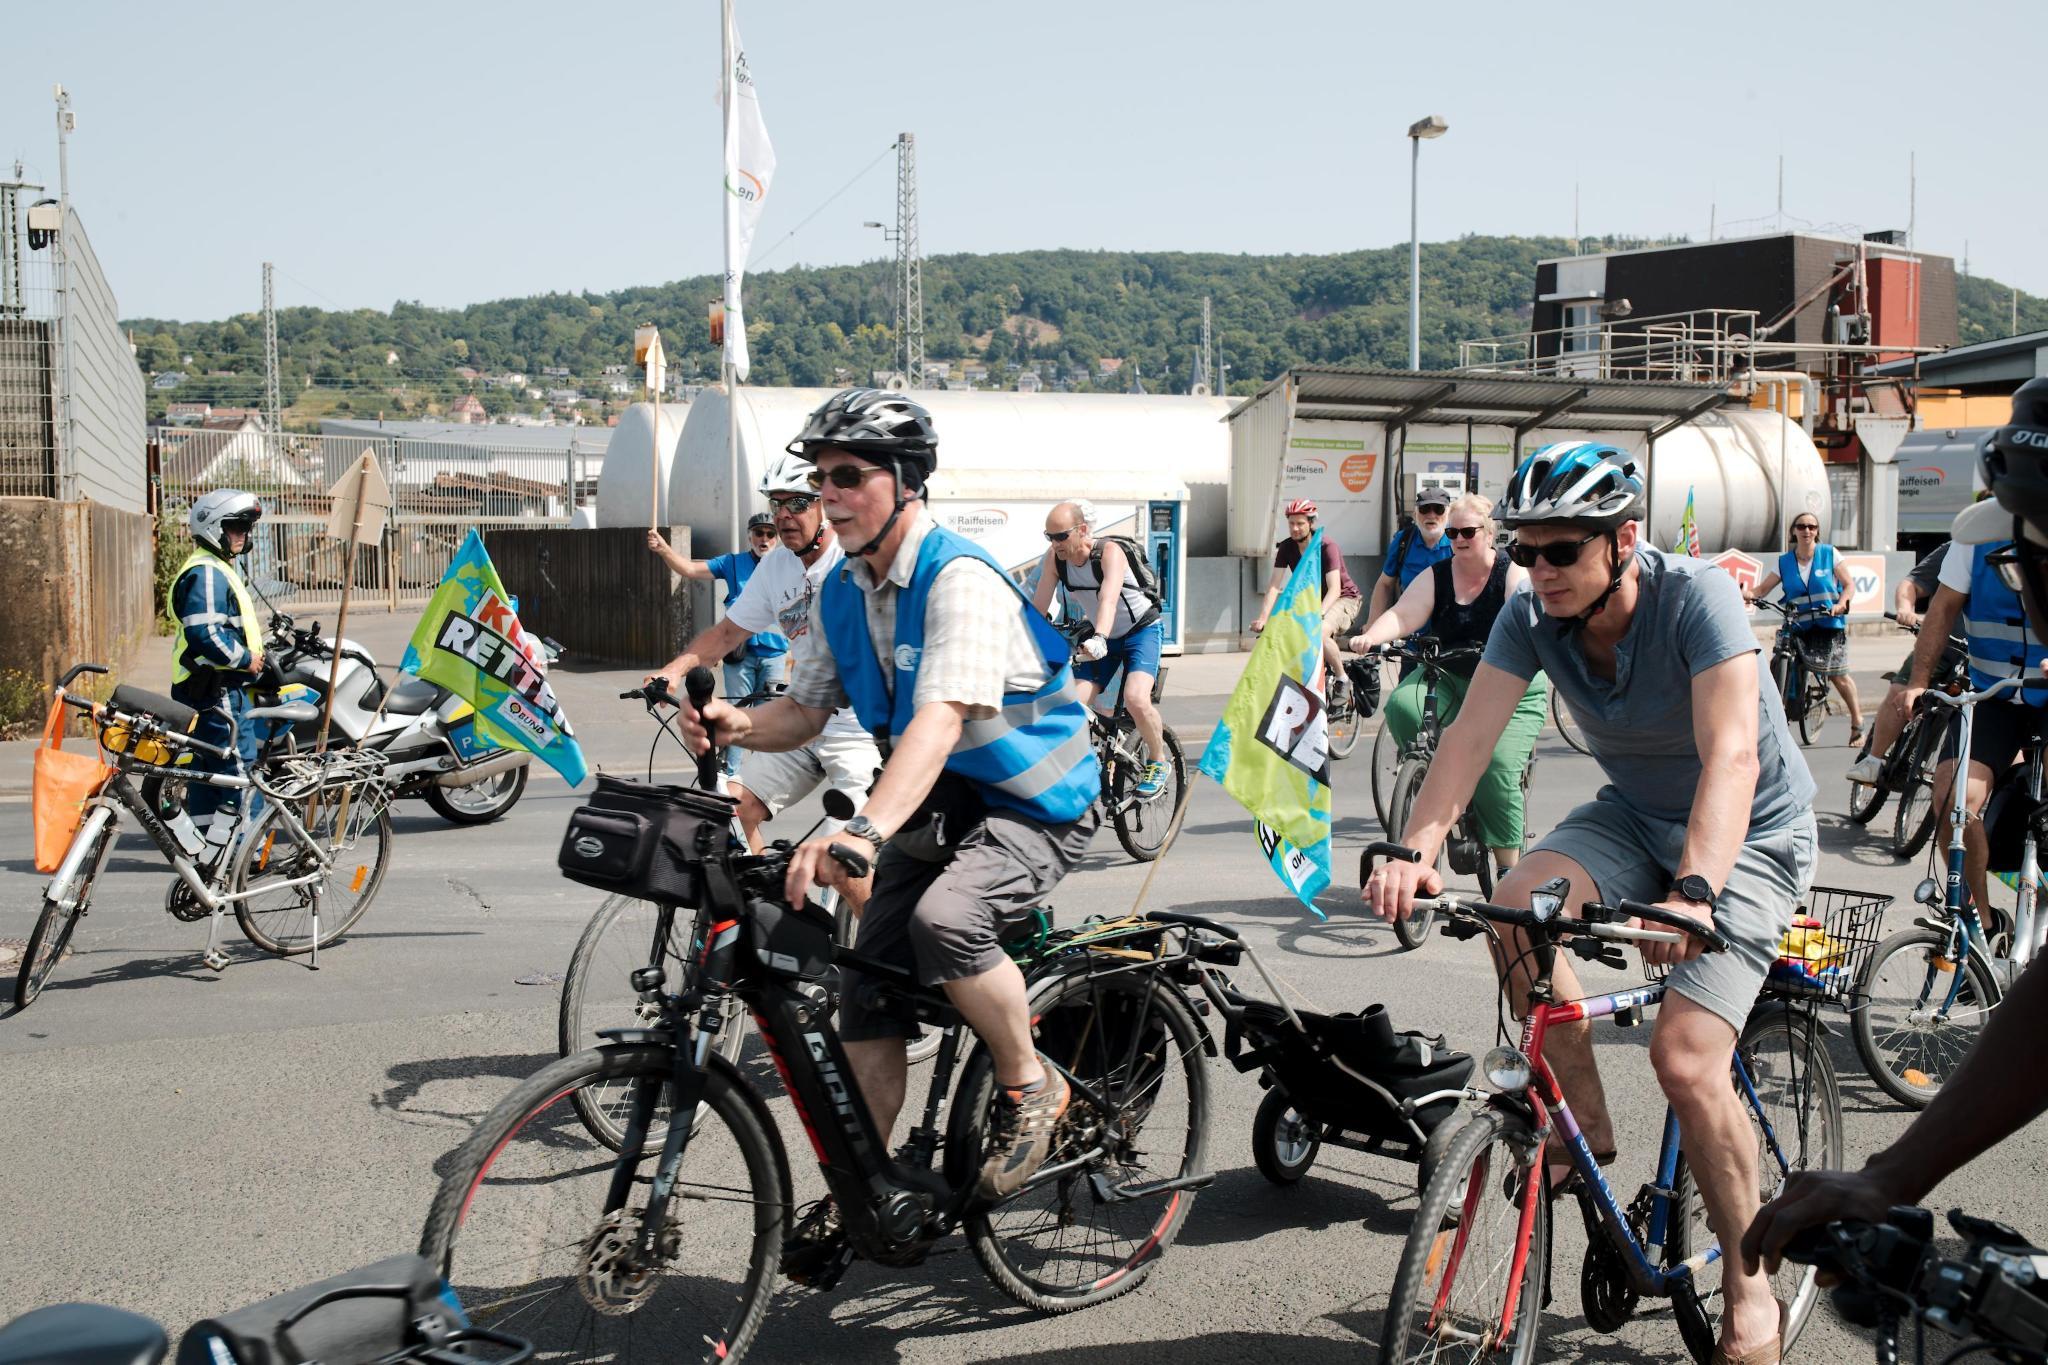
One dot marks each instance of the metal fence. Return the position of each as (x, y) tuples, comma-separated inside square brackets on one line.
[(440, 489), (28, 350), (72, 409)]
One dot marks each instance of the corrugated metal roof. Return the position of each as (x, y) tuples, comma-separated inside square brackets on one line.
[(1933, 366), (1485, 396)]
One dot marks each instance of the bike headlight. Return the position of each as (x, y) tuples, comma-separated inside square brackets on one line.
[(1928, 892), (1506, 1070)]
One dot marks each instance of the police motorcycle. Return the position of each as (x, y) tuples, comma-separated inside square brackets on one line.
[(426, 733)]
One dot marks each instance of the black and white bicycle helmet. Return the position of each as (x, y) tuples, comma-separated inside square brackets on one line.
[(885, 428), (1580, 483)]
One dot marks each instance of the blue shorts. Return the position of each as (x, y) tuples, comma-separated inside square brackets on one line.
[(1137, 652)]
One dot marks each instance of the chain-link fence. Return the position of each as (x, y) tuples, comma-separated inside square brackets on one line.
[(440, 489)]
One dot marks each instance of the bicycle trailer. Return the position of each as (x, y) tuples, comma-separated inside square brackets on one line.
[(1349, 1079)]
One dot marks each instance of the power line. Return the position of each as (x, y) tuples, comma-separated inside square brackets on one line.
[(784, 239)]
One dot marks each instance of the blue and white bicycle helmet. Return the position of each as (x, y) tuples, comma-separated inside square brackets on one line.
[(1582, 483), (1578, 483)]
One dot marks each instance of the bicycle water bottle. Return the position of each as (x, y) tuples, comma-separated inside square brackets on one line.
[(186, 833), (219, 834)]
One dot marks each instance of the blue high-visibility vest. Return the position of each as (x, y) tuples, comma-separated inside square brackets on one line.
[(1032, 756), (1995, 623), (1815, 591)]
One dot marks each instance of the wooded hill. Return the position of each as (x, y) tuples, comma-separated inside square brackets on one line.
[(1059, 311)]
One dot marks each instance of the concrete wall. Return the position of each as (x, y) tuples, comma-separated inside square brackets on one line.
[(77, 581)]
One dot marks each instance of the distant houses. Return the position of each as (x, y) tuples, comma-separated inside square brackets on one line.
[(467, 409)]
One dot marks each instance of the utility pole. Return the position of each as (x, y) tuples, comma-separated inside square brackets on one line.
[(1781, 191), (1912, 195), (1205, 358), (273, 409), (909, 261), (65, 123)]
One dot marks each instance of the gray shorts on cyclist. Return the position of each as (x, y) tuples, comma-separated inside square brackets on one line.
[(1631, 856), (946, 919)]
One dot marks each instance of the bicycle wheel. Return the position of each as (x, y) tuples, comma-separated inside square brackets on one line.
[(1386, 761), (1344, 729), (1060, 1245), (597, 993), (479, 803), (355, 835), (1567, 724), (1142, 822), (1413, 931), (1464, 1247), (1284, 1142), (1913, 822), (1909, 1041), (521, 1235), (1797, 1124), (1814, 712), (54, 927)]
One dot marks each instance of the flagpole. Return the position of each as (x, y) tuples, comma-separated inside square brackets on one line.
[(732, 384)]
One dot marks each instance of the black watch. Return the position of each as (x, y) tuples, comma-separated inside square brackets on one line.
[(1694, 887), (862, 827)]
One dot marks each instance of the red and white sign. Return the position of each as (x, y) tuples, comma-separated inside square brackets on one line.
[(1746, 570), (1866, 576)]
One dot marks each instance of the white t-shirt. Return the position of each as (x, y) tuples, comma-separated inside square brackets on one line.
[(779, 597), (1958, 568)]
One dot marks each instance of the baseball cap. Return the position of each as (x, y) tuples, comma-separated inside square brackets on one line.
[(1433, 495)]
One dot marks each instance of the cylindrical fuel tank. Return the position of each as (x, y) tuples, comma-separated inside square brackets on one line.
[(636, 475)]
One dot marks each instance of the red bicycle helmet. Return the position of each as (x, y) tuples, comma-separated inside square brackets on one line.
[(1302, 507)]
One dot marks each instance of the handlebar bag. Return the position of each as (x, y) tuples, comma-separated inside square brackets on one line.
[(644, 840), (63, 783)]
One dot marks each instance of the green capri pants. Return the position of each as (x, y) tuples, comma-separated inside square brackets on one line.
[(1497, 801)]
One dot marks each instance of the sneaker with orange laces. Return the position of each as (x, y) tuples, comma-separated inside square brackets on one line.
[(1020, 1134)]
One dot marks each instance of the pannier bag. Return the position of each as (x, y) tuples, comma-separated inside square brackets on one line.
[(62, 784), (643, 840), (1352, 1071)]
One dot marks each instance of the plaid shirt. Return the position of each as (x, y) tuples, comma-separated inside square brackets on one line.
[(977, 645)]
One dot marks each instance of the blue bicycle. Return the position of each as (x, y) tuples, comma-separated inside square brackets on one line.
[(1475, 1273)]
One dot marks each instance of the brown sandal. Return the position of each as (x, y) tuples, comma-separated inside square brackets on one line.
[(1770, 1353)]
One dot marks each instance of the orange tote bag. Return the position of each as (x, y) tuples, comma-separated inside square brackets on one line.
[(63, 784)]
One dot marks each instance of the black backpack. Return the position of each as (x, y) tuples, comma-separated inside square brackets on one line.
[(1137, 568)]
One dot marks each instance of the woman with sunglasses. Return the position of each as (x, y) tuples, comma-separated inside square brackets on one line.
[(1456, 602), (1707, 811), (1815, 578)]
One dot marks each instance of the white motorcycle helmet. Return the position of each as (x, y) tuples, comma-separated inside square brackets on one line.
[(221, 511)]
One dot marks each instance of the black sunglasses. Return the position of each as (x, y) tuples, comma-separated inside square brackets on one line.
[(1806, 526), (1056, 537), (1461, 532), (793, 503), (851, 476), (1559, 554)]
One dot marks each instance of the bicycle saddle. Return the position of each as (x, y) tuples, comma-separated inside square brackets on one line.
[(411, 697), (174, 714), (82, 1334)]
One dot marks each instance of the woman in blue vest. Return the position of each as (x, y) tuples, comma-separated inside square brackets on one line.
[(1815, 579), (987, 793)]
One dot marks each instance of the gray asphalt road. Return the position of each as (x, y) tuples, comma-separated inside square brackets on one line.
[(180, 1142)]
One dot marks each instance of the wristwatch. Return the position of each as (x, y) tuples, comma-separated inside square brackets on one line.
[(1695, 888), (862, 827)]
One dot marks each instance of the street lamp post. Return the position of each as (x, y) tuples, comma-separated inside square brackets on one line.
[(1433, 126), (891, 236)]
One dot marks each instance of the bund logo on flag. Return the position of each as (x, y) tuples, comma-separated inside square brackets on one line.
[(1296, 727)]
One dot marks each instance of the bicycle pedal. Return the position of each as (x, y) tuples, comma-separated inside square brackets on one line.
[(216, 960), (816, 1266)]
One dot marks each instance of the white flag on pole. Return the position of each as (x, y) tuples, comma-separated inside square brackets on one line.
[(749, 167)]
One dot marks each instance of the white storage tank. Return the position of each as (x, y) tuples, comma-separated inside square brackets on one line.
[(636, 476), (1182, 437)]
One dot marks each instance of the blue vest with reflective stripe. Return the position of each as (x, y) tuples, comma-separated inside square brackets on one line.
[(1815, 592), (1033, 756), (1995, 623)]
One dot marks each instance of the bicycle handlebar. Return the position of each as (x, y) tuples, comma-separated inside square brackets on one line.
[(1428, 652), (1962, 699)]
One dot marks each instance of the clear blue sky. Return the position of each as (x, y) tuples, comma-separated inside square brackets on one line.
[(456, 153)]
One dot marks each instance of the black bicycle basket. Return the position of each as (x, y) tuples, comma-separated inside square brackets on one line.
[(643, 840)]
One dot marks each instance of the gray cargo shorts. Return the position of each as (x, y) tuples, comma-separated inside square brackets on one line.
[(944, 917), (1632, 856)]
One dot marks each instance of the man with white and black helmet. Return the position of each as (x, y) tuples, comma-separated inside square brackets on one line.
[(1707, 812), (219, 649), (779, 596), (987, 795)]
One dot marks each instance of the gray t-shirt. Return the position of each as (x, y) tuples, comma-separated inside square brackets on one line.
[(1689, 616)]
